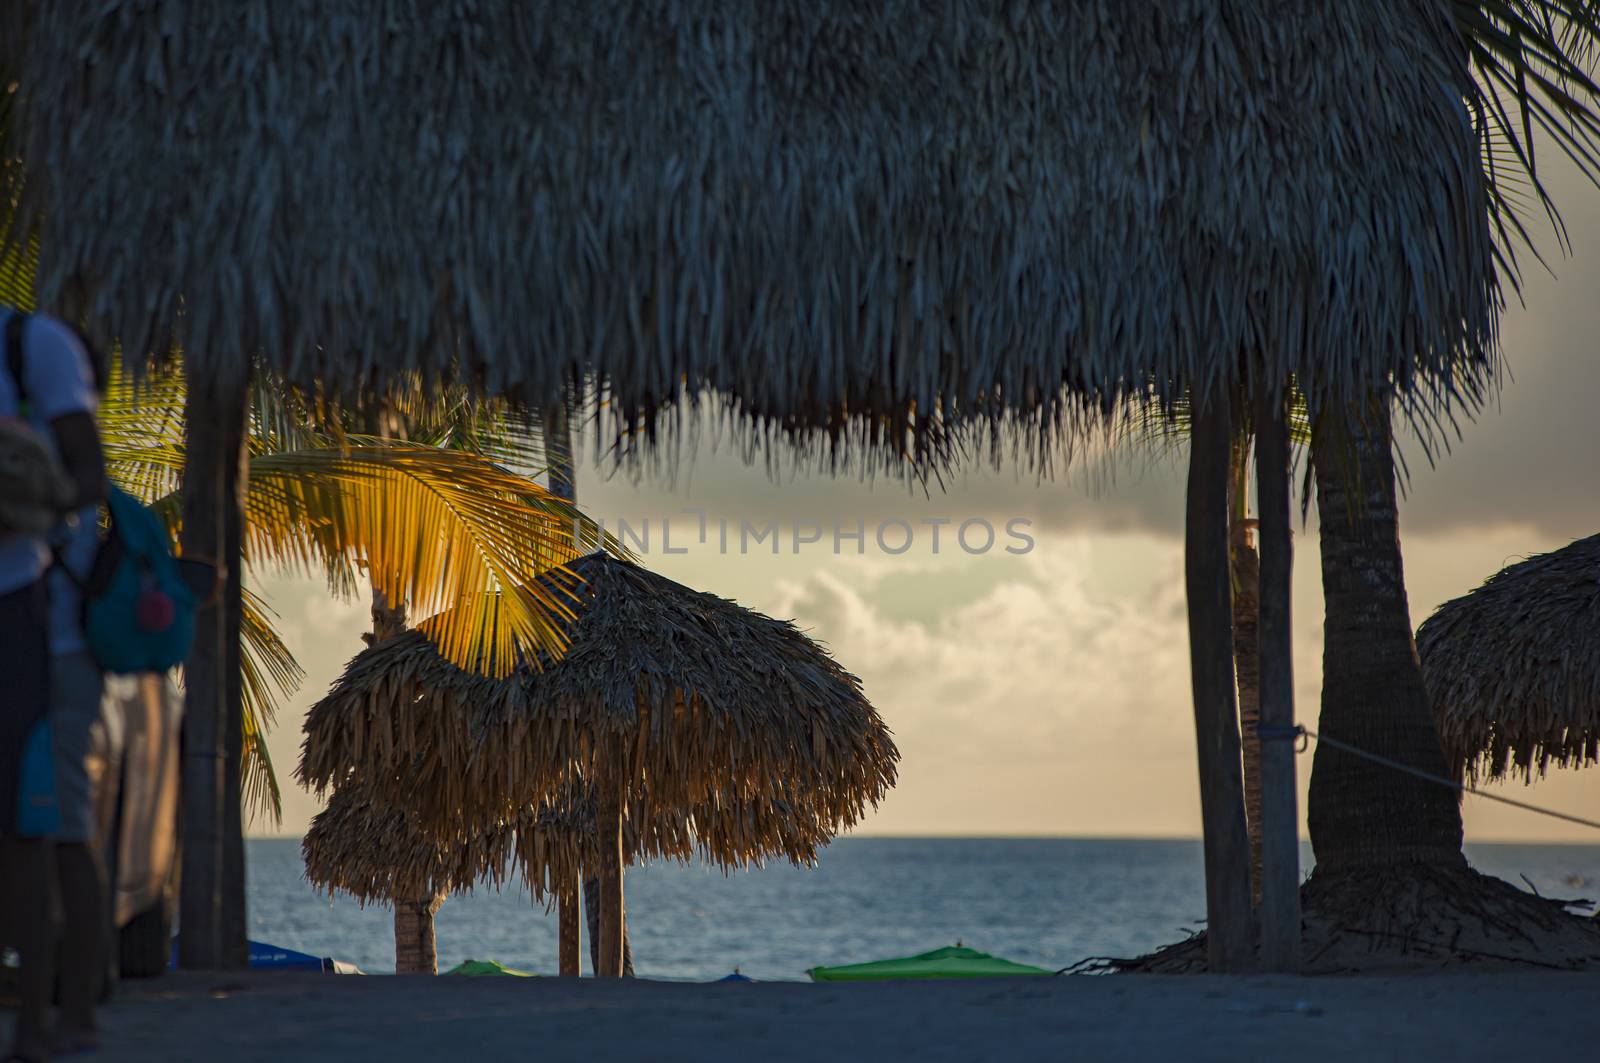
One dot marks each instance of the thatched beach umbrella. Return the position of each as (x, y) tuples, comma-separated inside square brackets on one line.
[(666, 700), (1513, 667), (376, 852), (867, 224)]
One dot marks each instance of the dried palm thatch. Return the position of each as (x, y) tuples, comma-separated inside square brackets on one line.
[(1513, 668), (863, 222), (689, 700), (375, 850)]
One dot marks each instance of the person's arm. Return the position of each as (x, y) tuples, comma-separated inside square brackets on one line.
[(78, 444), (61, 391)]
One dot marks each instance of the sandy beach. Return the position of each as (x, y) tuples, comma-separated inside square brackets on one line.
[(277, 1016)]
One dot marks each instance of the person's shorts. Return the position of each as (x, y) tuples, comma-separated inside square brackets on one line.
[(28, 806), (75, 687)]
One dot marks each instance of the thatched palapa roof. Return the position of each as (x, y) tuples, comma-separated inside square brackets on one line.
[(692, 702), (867, 217), (1513, 668), (376, 851)]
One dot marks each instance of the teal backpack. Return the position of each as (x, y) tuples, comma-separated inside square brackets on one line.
[(138, 610)]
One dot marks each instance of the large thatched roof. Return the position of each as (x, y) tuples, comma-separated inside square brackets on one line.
[(377, 851), (1513, 668), (875, 216), (691, 700)]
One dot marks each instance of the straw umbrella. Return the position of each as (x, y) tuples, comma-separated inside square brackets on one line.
[(376, 852), (868, 225), (1513, 668), (665, 699)]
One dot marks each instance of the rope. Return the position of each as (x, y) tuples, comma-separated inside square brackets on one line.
[(1299, 731)]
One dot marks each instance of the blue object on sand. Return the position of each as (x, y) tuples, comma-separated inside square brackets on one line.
[(271, 957), (736, 977)]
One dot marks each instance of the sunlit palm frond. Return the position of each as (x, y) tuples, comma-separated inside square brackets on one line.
[(444, 530), (269, 673), (141, 431)]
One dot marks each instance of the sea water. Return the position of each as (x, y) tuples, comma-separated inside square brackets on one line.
[(1049, 902)]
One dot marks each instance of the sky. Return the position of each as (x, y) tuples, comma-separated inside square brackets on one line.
[(1046, 692)]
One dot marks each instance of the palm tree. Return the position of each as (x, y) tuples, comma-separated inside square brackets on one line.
[(427, 509), (1363, 814), (1530, 58), (1168, 429)]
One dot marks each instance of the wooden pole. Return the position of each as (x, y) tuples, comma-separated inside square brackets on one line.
[(1280, 841), (1229, 922), (567, 922), (608, 827), (213, 416)]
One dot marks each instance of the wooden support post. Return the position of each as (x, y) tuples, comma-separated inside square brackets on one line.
[(567, 927), (1280, 840), (1229, 923), (608, 827), (213, 417)]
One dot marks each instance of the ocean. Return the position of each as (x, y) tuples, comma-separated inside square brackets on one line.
[(1046, 901)]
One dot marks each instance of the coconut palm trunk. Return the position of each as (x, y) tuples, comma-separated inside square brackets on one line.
[(234, 926), (1245, 564), (415, 949), (1364, 815), (214, 421), (1230, 942), (563, 483)]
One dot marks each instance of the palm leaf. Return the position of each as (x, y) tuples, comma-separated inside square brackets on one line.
[(447, 531), (268, 672), (1531, 65)]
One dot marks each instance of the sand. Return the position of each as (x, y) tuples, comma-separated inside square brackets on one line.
[(281, 1016)]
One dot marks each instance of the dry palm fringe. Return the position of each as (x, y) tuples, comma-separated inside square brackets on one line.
[(1513, 667), (1410, 915), (920, 215)]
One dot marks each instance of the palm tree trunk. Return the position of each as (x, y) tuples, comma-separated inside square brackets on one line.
[(214, 416), (234, 926), (1361, 814), (591, 915), (1229, 939), (567, 929), (415, 949), (608, 823), (1275, 831), (563, 483), (1245, 564)]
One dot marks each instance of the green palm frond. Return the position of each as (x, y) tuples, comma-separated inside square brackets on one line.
[(439, 529), (1165, 427), (141, 431), (268, 673)]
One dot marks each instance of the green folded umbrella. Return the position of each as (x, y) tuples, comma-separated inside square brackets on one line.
[(952, 962), (479, 968)]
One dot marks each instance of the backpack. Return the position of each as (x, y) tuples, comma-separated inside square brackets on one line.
[(138, 611)]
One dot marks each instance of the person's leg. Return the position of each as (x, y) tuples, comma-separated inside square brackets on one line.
[(75, 687), (28, 813), (27, 872)]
